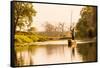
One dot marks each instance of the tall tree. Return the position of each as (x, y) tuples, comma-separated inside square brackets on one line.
[(23, 13), (87, 23)]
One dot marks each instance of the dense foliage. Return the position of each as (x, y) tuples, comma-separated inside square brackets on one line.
[(23, 13), (86, 25)]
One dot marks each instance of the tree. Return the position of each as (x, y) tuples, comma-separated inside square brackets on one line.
[(23, 13), (62, 26), (72, 30), (49, 27), (20, 24), (87, 23)]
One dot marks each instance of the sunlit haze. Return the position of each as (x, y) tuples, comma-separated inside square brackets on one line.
[(54, 14)]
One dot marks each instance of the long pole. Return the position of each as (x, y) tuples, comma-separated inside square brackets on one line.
[(71, 21), (70, 30)]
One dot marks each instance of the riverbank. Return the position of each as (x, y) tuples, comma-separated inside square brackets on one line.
[(57, 42)]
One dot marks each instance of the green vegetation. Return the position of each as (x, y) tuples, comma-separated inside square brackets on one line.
[(28, 38), (23, 13), (86, 25), (22, 17), (22, 39), (25, 33)]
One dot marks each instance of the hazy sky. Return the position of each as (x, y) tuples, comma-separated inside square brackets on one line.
[(55, 14)]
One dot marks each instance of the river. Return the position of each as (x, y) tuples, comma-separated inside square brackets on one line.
[(56, 53)]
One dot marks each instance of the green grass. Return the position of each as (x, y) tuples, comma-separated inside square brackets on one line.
[(22, 39), (29, 38)]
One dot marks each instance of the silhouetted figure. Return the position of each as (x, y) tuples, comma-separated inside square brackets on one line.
[(73, 34)]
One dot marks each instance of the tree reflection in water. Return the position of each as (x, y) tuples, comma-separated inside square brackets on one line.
[(88, 51), (52, 54)]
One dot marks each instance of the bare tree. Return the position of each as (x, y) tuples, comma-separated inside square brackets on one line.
[(72, 29), (49, 27), (61, 28)]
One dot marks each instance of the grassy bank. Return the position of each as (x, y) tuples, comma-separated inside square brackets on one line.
[(29, 38)]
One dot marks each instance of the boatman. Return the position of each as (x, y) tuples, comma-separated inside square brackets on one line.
[(73, 33)]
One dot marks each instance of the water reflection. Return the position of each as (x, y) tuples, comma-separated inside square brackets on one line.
[(51, 54), (88, 51)]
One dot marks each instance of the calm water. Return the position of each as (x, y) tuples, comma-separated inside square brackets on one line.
[(52, 54)]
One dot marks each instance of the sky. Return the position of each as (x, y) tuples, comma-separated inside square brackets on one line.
[(54, 14)]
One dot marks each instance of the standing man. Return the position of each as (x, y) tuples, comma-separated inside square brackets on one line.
[(73, 33)]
